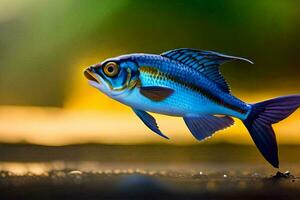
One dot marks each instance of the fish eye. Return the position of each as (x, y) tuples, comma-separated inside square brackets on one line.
[(111, 69)]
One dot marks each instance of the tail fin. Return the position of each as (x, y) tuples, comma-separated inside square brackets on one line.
[(260, 120)]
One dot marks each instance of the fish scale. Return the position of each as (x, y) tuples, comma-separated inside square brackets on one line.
[(177, 104)]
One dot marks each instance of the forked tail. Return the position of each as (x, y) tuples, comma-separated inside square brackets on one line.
[(260, 120)]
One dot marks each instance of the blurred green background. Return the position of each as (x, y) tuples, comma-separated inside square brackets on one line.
[(41, 39)]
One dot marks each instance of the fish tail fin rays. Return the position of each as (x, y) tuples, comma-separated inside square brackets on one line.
[(260, 120), (205, 126)]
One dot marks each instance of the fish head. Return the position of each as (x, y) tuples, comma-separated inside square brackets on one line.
[(114, 76)]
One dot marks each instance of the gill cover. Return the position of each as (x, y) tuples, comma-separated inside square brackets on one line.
[(117, 74)]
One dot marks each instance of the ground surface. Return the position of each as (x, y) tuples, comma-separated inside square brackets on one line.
[(146, 172)]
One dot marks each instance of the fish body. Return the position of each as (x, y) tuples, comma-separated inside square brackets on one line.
[(187, 83), (195, 93)]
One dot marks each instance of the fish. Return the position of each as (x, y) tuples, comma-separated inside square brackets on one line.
[(188, 83)]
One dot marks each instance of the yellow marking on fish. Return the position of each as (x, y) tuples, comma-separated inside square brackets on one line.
[(156, 73)]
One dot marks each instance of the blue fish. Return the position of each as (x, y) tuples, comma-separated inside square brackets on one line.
[(187, 83)]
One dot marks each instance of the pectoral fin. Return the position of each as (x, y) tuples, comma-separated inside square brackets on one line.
[(156, 93), (149, 121), (205, 125)]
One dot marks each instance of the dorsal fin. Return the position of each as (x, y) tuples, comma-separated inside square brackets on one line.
[(206, 62)]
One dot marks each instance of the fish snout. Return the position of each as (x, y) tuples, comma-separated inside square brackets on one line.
[(90, 74)]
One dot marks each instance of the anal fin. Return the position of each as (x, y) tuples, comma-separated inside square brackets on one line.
[(204, 126)]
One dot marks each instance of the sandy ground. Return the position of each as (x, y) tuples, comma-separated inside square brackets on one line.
[(145, 172)]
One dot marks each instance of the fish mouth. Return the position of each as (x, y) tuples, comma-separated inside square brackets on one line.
[(90, 75)]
